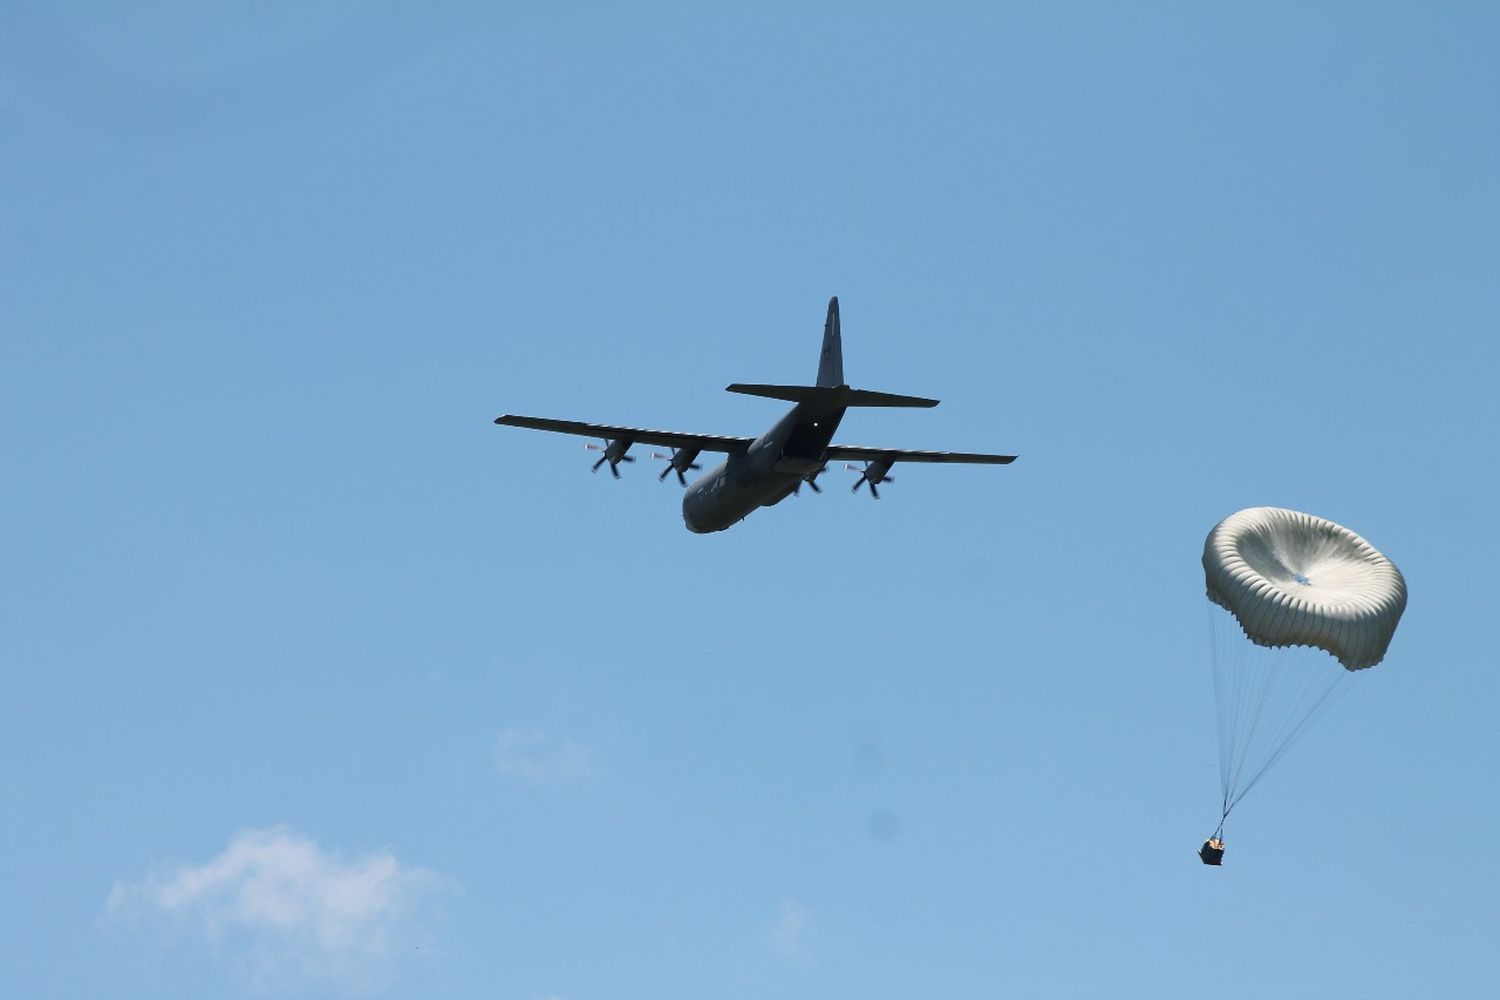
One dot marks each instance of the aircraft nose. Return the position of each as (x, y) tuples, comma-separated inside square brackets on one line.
[(687, 519)]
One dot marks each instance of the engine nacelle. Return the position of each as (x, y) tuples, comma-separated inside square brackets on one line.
[(874, 472), (614, 454)]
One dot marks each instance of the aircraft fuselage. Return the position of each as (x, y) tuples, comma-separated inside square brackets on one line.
[(764, 474)]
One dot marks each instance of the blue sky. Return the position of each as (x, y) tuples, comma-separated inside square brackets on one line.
[(318, 683)]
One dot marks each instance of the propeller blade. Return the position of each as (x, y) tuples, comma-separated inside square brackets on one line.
[(614, 470), (599, 463), (663, 477)]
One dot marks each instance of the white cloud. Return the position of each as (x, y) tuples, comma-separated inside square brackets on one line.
[(289, 914), (789, 935), (533, 756)]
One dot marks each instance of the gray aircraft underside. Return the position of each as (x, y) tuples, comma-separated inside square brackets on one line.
[(763, 471)]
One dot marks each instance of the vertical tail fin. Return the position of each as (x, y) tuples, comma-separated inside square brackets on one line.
[(831, 362)]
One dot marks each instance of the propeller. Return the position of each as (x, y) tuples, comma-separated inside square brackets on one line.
[(614, 454), (872, 473), (811, 481), (680, 461)]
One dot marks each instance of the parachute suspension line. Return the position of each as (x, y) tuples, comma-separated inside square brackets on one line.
[(1310, 700), (1266, 699), (1292, 729), (1223, 695), (1243, 733)]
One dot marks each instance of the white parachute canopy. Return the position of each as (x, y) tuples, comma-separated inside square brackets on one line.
[(1292, 579), (1289, 579)]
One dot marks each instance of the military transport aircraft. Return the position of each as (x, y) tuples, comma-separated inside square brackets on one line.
[(763, 471)]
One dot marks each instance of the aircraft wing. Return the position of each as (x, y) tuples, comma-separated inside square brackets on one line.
[(893, 455), (636, 435)]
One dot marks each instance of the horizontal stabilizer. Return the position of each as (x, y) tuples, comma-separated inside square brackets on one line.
[(891, 456), (829, 396)]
